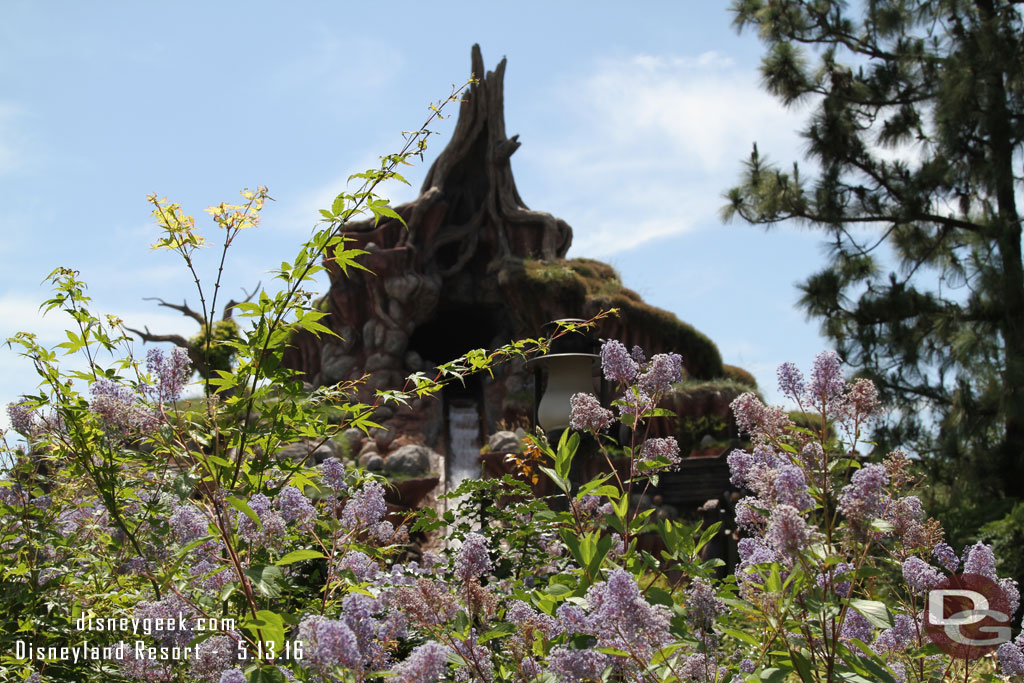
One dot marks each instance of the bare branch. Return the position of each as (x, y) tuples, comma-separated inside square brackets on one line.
[(183, 309), (232, 303)]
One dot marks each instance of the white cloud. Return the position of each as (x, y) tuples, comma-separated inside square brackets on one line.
[(660, 139)]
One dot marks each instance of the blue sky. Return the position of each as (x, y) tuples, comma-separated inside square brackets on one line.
[(632, 122)]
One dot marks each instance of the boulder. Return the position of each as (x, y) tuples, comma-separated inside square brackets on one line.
[(371, 461), (504, 442), (412, 460)]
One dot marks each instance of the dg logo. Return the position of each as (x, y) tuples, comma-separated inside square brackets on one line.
[(966, 616)]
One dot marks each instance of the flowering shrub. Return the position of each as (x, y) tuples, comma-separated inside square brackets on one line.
[(149, 539)]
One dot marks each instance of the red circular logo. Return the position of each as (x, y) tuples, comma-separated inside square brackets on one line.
[(967, 616)]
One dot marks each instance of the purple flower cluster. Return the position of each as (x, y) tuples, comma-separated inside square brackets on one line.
[(979, 559), (791, 381), (272, 525), (578, 666), (919, 575), (123, 416), (702, 606), (787, 532), (171, 373), (898, 638), (616, 362), (366, 507), (473, 560), (760, 421), (232, 676), (856, 625), (294, 506), (211, 657), (174, 616), (586, 413), (834, 576), (947, 557), (661, 373), (188, 523), (332, 471), (425, 664), (1011, 657), (23, 419), (328, 643), (620, 617), (863, 499), (663, 451), (360, 564), (530, 620)]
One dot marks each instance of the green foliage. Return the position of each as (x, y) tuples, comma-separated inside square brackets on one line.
[(917, 121), (216, 347)]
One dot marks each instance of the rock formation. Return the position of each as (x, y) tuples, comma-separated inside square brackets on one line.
[(477, 268)]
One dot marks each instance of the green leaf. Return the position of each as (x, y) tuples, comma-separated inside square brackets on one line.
[(874, 611), (298, 556), (244, 508), (266, 578)]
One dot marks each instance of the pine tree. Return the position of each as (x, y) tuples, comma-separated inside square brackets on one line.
[(915, 138)]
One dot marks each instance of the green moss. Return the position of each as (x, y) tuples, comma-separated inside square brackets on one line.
[(739, 375), (539, 291)]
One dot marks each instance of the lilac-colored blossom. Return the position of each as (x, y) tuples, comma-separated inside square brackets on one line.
[(272, 525), (586, 413), (530, 620), (979, 559), (328, 643), (827, 381), (366, 507), (863, 396), (663, 371), (833, 575), (188, 523), (1011, 659), (863, 498), (898, 638), (742, 464), (760, 421), (747, 666), (787, 532), (919, 575), (637, 354), (660, 449), (120, 411), (294, 506), (572, 619), (790, 488), (616, 362), (479, 666), (578, 666), (702, 606), (473, 560), (232, 676), (174, 615), (747, 516), (384, 531), (856, 625), (171, 373), (425, 664), (620, 617), (360, 564), (332, 471), (791, 380), (1012, 593), (698, 667), (633, 404), (946, 557), (23, 419), (210, 658)]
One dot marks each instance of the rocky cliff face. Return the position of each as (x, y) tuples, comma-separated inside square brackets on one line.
[(476, 268)]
